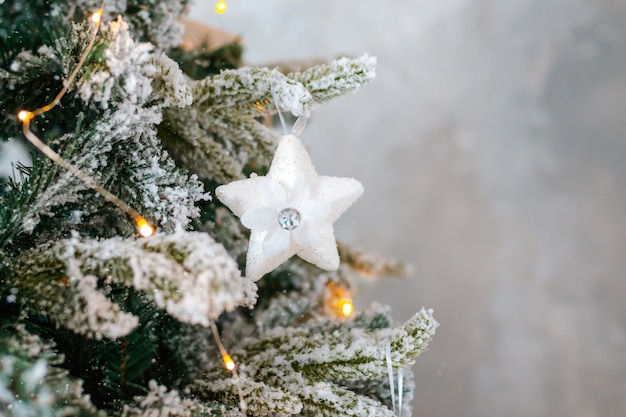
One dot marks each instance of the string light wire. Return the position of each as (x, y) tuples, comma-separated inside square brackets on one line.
[(229, 364), (145, 228)]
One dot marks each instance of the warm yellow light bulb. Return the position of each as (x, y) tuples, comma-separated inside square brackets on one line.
[(229, 363), (96, 16), (145, 228), (25, 116), (338, 301), (220, 7), (346, 307)]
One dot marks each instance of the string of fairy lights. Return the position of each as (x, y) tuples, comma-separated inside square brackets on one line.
[(144, 227), (25, 116), (337, 299)]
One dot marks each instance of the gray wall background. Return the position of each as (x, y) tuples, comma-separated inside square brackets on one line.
[(491, 147)]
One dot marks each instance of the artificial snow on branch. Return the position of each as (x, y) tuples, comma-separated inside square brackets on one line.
[(135, 84), (329, 400), (208, 281), (319, 363), (230, 104), (50, 284), (155, 21), (130, 71), (336, 78), (161, 402), (246, 89), (60, 281), (261, 399), (356, 354), (32, 383)]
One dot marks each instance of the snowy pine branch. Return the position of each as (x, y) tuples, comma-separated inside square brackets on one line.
[(230, 104), (318, 364), (208, 282), (61, 281), (328, 81), (341, 355), (411, 339), (31, 381), (161, 402), (164, 192), (59, 292), (157, 24), (261, 399), (380, 389), (327, 399), (198, 148), (249, 91), (133, 73), (136, 84)]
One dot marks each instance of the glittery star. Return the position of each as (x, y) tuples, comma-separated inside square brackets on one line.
[(290, 211)]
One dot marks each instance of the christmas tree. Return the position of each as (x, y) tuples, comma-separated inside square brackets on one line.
[(126, 287)]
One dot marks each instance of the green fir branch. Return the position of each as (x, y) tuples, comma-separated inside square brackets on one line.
[(312, 361), (202, 62), (261, 399), (161, 401), (57, 291), (325, 399), (199, 150), (252, 140), (59, 281), (353, 354), (380, 389), (31, 381), (208, 281), (250, 91), (336, 78)]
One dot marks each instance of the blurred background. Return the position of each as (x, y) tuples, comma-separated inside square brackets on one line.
[(492, 151)]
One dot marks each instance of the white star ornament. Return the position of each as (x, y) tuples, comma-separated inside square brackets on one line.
[(290, 211)]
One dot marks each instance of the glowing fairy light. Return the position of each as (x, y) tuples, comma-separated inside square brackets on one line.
[(220, 7), (25, 116), (145, 228), (97, 16), (338, 301), (346, 307), (229, 364)]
